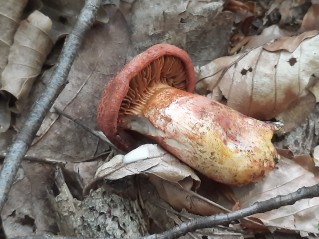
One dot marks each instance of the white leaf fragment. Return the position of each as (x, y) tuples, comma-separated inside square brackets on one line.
[(145, 151)]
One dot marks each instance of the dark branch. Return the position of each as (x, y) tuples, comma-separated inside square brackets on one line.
[(258, 207), (40, 108)]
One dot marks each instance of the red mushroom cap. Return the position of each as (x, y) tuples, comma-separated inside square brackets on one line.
[(118, 86)]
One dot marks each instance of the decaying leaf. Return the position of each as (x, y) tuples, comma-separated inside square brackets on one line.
[(288, 177), (182, 197), (302, 139), (99, 214), (173, 180), (27, 211), (263, 82), (152, 159), (297, 112), (10, 14), (30, 48)]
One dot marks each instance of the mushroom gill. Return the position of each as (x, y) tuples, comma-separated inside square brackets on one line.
[(164, 72)]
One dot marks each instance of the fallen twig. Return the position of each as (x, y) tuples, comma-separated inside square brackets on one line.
[(258, 207), (40, 108), (207, 222)]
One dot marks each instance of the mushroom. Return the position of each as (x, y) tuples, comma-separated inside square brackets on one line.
[(152, 97)]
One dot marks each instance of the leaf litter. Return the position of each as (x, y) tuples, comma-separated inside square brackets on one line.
[(102, 54)]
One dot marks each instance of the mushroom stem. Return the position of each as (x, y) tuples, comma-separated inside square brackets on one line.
[(208, 136)]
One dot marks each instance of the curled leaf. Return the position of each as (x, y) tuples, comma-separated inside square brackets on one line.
[(10, 14), (156, 161), (30, 48), (265, 81)]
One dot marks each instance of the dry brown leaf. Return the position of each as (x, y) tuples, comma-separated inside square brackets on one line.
[(10, 14), (311, 20), (262, 83), (150, 159), (27, 211), (291, 43), (288, 177), (240, 9), (30, 48)]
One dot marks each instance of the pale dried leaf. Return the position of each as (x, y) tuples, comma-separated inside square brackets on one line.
[(30, 48), (316, 156), (157, 162), (291, 43), (293, 174), (10, 14), (263, 83)]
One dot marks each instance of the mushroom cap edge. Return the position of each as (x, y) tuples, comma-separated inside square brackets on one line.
[(118, 86)]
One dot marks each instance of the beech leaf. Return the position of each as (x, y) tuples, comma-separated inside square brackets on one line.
[(264, 81), (30, 48)]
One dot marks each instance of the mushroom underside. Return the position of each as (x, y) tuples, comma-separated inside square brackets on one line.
[(164, 71)]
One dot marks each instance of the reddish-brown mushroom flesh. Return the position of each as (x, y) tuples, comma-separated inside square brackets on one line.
[(148, 96)]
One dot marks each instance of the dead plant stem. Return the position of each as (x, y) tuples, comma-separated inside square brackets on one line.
[(258, 207)]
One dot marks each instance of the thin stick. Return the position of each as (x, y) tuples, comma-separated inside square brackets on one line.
[(258, 207), (40, 108)]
